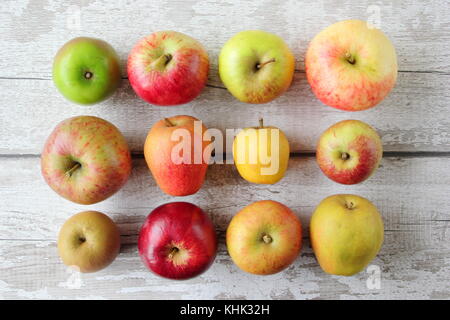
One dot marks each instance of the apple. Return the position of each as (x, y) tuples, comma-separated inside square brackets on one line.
[(86, 70), (264, 238), (177, 241), (175, 154), (89, 240), (351, 65), (261, 154), (349, 151), (256, 66), (346, 233), (86, 159), (168, 68)]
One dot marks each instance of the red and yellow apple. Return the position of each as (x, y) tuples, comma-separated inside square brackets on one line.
[(177, 241), (261, 154), (86, 159), (351, 65), (89, 240), (346, 233), (168, 68), (264, 238), (256, 66), (349, 151), (175, 154)]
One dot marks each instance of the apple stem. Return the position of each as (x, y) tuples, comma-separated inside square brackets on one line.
[(350, 205), (88, 75), (72, 170), (350, 58), (267, 239), (261, 122), (260, 65), (162, 61), (172, 252), (167, 121)]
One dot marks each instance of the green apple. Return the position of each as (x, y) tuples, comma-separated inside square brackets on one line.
[(86, 70), (256, 66)]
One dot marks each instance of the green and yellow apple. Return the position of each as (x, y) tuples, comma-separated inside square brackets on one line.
[(256, 66), (86, 70), (86, 159), (346, 233), (349, 151), (261, 154), (264, 238), (89, 240), (175, 154), (351, 65)]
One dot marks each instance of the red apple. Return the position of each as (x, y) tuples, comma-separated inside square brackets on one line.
[(175, 154), (349, 151), (351, 65), (177, 241), (168, 68), (86, 159)]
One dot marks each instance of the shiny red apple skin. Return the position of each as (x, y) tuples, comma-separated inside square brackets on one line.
[(98, 147), (361, 145), (180, 225), (168, 68)]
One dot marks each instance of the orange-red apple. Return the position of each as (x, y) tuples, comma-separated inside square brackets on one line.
[(349, 151), (351, 65), (264, 238), (176, 156)]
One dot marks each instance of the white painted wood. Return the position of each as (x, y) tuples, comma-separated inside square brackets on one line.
[(411, 194), (411, 191), (413, 118)]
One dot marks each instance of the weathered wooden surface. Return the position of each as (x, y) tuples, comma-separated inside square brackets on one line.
[(411, 189)]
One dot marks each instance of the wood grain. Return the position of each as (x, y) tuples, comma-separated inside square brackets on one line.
[(414, 117)]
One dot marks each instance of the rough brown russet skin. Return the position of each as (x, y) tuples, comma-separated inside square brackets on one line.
[(176, 179), (101, 152), (89, 240)]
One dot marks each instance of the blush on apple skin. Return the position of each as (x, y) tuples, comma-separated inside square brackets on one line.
[(168, 68), (183, 226), (101, 151), (368, 160)]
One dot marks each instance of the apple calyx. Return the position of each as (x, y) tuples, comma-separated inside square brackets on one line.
[(260, 65), (161, 62), (73, 169), (350, 58), (266, 238), (350, 205), (345, 156), (88, 75), (172, 252)]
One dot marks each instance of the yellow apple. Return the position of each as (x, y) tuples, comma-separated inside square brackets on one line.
[(261, 154), (89, 240), (346, 233)]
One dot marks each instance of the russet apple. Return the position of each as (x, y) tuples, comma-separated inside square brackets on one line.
[(346, 233), (256, 66), (89, 240), (168, 68), (349, 151), (264, 238), (351, 65), (86, 159), (175, 154), (86, 70), (261, 154), (177, 241)]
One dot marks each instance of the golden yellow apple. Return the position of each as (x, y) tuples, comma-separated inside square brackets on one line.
[(346, 233), (89, 240), (261, 154)]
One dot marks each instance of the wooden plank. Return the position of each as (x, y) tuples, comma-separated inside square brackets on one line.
[(32, 31), (413, 118), (411, 193), (32, 270)]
